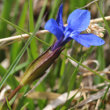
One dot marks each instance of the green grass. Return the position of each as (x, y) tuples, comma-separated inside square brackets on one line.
[(16, 47), (9, 106), (16, 61), (63, 76), (7, 7), (33, 45)]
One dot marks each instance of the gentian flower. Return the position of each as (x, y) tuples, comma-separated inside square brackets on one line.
[(77, 22)]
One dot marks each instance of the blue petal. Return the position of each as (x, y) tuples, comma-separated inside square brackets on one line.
[(53, 27), (59, 19), (79, 20), (88, 40)]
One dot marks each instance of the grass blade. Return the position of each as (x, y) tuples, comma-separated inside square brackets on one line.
[(11, 80), (105, 22), (5, 14), (9, 106), (16, 47), (33, 44), (73, 78), (89, 69)]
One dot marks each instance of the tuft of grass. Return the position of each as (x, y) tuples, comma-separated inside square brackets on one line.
[(16, 61)]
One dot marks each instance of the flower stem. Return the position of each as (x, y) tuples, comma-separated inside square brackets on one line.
[(14, 92), (4, 105)]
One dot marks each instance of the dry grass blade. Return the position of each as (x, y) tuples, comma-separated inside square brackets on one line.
[(97, 104), (53, 96), (105, 71), (90, 3), (62, 99), (19, 37), (93, 97), (100, 20), (25, 36), (43, 95), (5, 63), (2, 93)]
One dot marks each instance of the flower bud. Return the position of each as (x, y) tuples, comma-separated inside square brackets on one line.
[(38, 67)]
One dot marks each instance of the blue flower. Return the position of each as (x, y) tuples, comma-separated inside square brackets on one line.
[(77, 21)]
